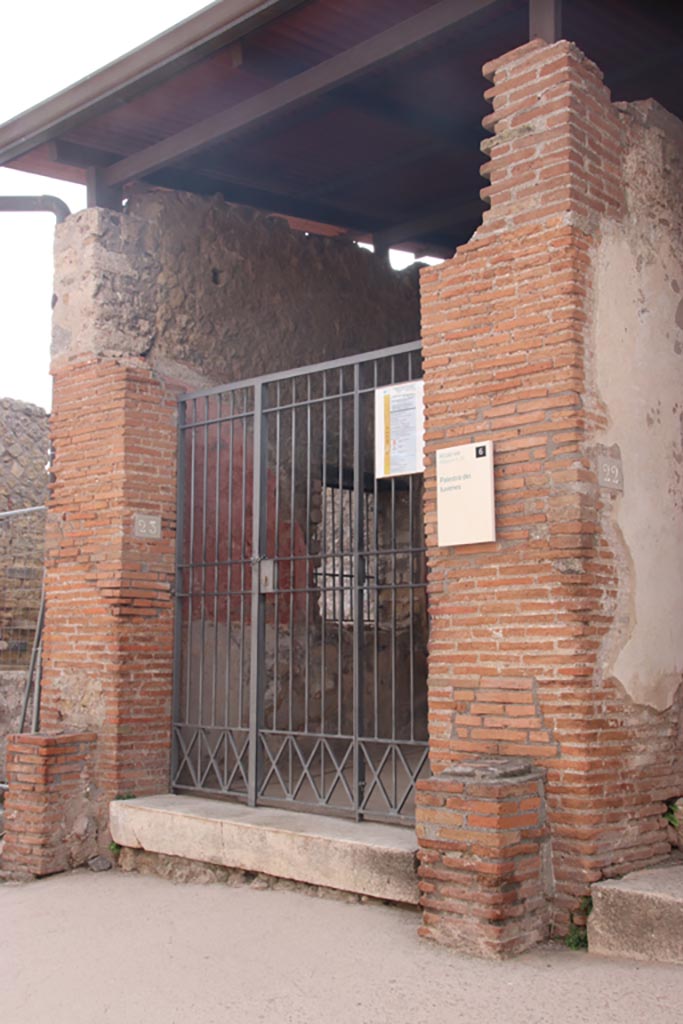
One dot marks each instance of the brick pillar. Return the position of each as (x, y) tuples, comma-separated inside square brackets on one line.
[(482, 867), (49, 821), (108, 644), (516, 625), (109, 622)]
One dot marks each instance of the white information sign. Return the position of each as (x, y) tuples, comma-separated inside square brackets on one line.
[(399, 429), (465, 508)]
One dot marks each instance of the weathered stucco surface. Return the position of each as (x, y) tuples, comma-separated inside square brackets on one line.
[(639, 371), (213, 293)]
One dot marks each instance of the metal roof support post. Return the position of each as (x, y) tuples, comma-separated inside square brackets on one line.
[(110, 197), (545, 20)]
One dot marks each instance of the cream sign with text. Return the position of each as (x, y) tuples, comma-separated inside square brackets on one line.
[(465, 507)]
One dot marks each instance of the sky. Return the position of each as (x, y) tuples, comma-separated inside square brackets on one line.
[(44, 47)]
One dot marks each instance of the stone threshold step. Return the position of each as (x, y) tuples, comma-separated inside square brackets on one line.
[(639, 916), (365, 858)]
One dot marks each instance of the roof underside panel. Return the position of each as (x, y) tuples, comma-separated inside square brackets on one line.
[(397, 145)]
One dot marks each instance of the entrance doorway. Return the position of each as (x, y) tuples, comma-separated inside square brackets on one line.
[(301, 621)]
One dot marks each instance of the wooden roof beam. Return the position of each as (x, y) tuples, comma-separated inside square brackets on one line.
[(302, 88), (305, 205)]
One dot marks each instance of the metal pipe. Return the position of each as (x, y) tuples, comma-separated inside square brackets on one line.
[(36, 651), (22, 511), (35, 719), (35, 204)]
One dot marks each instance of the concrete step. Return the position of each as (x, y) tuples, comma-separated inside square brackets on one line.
[(639, 916), (366, 858)]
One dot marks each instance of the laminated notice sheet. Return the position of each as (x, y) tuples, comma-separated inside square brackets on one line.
[(399, 429)]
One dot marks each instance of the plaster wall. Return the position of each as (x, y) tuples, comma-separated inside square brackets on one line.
[(638, 336), (211, 293)]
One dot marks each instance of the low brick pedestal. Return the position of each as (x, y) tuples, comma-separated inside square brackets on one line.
[(49, 806), (481, 831)]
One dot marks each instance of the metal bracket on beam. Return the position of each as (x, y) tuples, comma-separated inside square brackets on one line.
[(110, 197), (381, 250)]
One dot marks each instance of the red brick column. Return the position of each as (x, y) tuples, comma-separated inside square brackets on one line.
[(109, 613), (482, 866), (516, 627), (50, 822)]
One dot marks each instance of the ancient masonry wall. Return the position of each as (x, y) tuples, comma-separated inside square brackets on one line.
[(175, 293), (217, 293), (556, 332), (23, 484)]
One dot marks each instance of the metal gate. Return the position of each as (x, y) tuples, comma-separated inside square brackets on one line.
[(301, 622)]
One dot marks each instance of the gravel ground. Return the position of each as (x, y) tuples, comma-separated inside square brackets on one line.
[(84, 948)]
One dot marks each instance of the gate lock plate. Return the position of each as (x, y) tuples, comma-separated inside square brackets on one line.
[(267, 574)]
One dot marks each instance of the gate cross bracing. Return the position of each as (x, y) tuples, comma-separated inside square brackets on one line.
[(301, 621)]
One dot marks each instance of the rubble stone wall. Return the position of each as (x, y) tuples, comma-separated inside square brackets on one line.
[(24, 431), (209, 293)]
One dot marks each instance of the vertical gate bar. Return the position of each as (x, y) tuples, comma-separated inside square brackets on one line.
[(357, 596), (378, 570), (276, 553), (288, 701), (229, 568), (411, 601), (178, 603), (323, 561), (259, 497), (247, 415), (333, 575), (340, 548), (197, 575), (307, 563), (292, 563), (412, 492), (203, 577), (190, 560), (216, 556), (394, 583)]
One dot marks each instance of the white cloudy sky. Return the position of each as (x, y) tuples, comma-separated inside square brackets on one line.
[(45, 46)]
